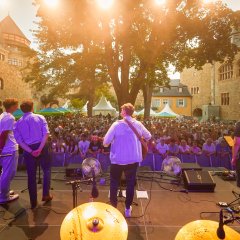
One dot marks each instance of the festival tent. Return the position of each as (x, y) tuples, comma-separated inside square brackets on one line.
[(18, 113), (152, 113), (50, 111), (64, 110), (104, 107), (67, 104), (84, 109), (167, 112)]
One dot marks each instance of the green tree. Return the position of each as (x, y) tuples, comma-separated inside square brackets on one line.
[(132, 39), (77, 103)]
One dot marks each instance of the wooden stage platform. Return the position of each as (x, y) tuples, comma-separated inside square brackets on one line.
[(166, 213)]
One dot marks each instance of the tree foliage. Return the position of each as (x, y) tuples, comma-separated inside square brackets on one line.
[(130, 44)]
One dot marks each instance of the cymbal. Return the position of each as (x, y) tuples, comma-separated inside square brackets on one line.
[(94, 220), (205, 230)]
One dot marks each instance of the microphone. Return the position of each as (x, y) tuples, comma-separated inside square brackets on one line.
[(94, 193), (220, 230)]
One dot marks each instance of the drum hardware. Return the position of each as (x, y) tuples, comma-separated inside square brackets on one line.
[(94, 220), (205, 230)]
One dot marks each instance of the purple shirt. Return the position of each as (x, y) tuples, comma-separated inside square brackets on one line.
[(125, 146), (30, 129)]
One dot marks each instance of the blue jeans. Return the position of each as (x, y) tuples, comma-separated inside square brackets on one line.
[(130, 171), (31, 165), (9, 168)]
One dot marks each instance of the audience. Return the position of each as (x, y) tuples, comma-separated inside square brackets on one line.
[(77, 134)]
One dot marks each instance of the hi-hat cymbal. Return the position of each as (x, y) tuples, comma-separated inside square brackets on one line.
[(94, 221), (205, 230)]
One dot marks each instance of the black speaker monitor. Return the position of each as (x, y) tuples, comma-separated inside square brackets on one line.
[(198, 181)]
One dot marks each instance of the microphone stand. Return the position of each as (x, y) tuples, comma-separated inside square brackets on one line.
[(220, 231), (75, 186), (94, 193)]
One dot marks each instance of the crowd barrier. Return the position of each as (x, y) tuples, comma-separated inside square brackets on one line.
[(152, 160)]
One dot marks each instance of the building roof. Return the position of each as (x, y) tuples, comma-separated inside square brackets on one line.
[(8, 26), (172, 90)]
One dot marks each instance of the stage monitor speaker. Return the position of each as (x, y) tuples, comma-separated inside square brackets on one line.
[(198, 181), (74, 171), (190, 166)]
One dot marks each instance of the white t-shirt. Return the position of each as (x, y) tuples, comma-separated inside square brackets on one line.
[(7, 122), (125, 146), (208, 148), (162, 148), (83, 146), (184, 149)]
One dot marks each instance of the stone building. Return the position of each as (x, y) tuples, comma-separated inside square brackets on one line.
[(13, 48), (216, 86), (177, 96)]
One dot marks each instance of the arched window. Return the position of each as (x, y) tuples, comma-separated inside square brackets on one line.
[(238, 68), (1, 83), (225, 71)]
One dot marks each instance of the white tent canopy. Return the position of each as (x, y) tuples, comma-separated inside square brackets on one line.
[(167, 110), (66, 105), (152, 113), (104, 107), (84, 109)]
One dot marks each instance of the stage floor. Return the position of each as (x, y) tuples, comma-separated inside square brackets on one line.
[(166, 213)]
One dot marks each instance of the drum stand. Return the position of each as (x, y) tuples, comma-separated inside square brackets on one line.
[(75, 186)]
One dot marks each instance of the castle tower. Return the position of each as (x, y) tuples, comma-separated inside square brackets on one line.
[(13, 58)]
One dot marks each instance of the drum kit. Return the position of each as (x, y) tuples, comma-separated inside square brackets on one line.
[(205, 230), (96, 220)]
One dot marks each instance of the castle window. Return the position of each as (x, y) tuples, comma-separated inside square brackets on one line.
[(165, 101), (161, 89), (180, 90), (192, 91), (15, 62), (1, 84), (224, 98), (225, 71), (2, 57), (156, 103), (180, 102), (238, 71)]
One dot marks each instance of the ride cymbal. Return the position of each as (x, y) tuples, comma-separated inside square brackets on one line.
[(94, 221), (205, 230)]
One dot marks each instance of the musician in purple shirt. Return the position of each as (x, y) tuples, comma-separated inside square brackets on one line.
[(125, 154), (31, 133)]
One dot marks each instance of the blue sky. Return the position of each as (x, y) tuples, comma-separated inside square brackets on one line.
[(23, 13)]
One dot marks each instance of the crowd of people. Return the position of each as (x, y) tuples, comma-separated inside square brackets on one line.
[(81, 136), (77, 134)]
